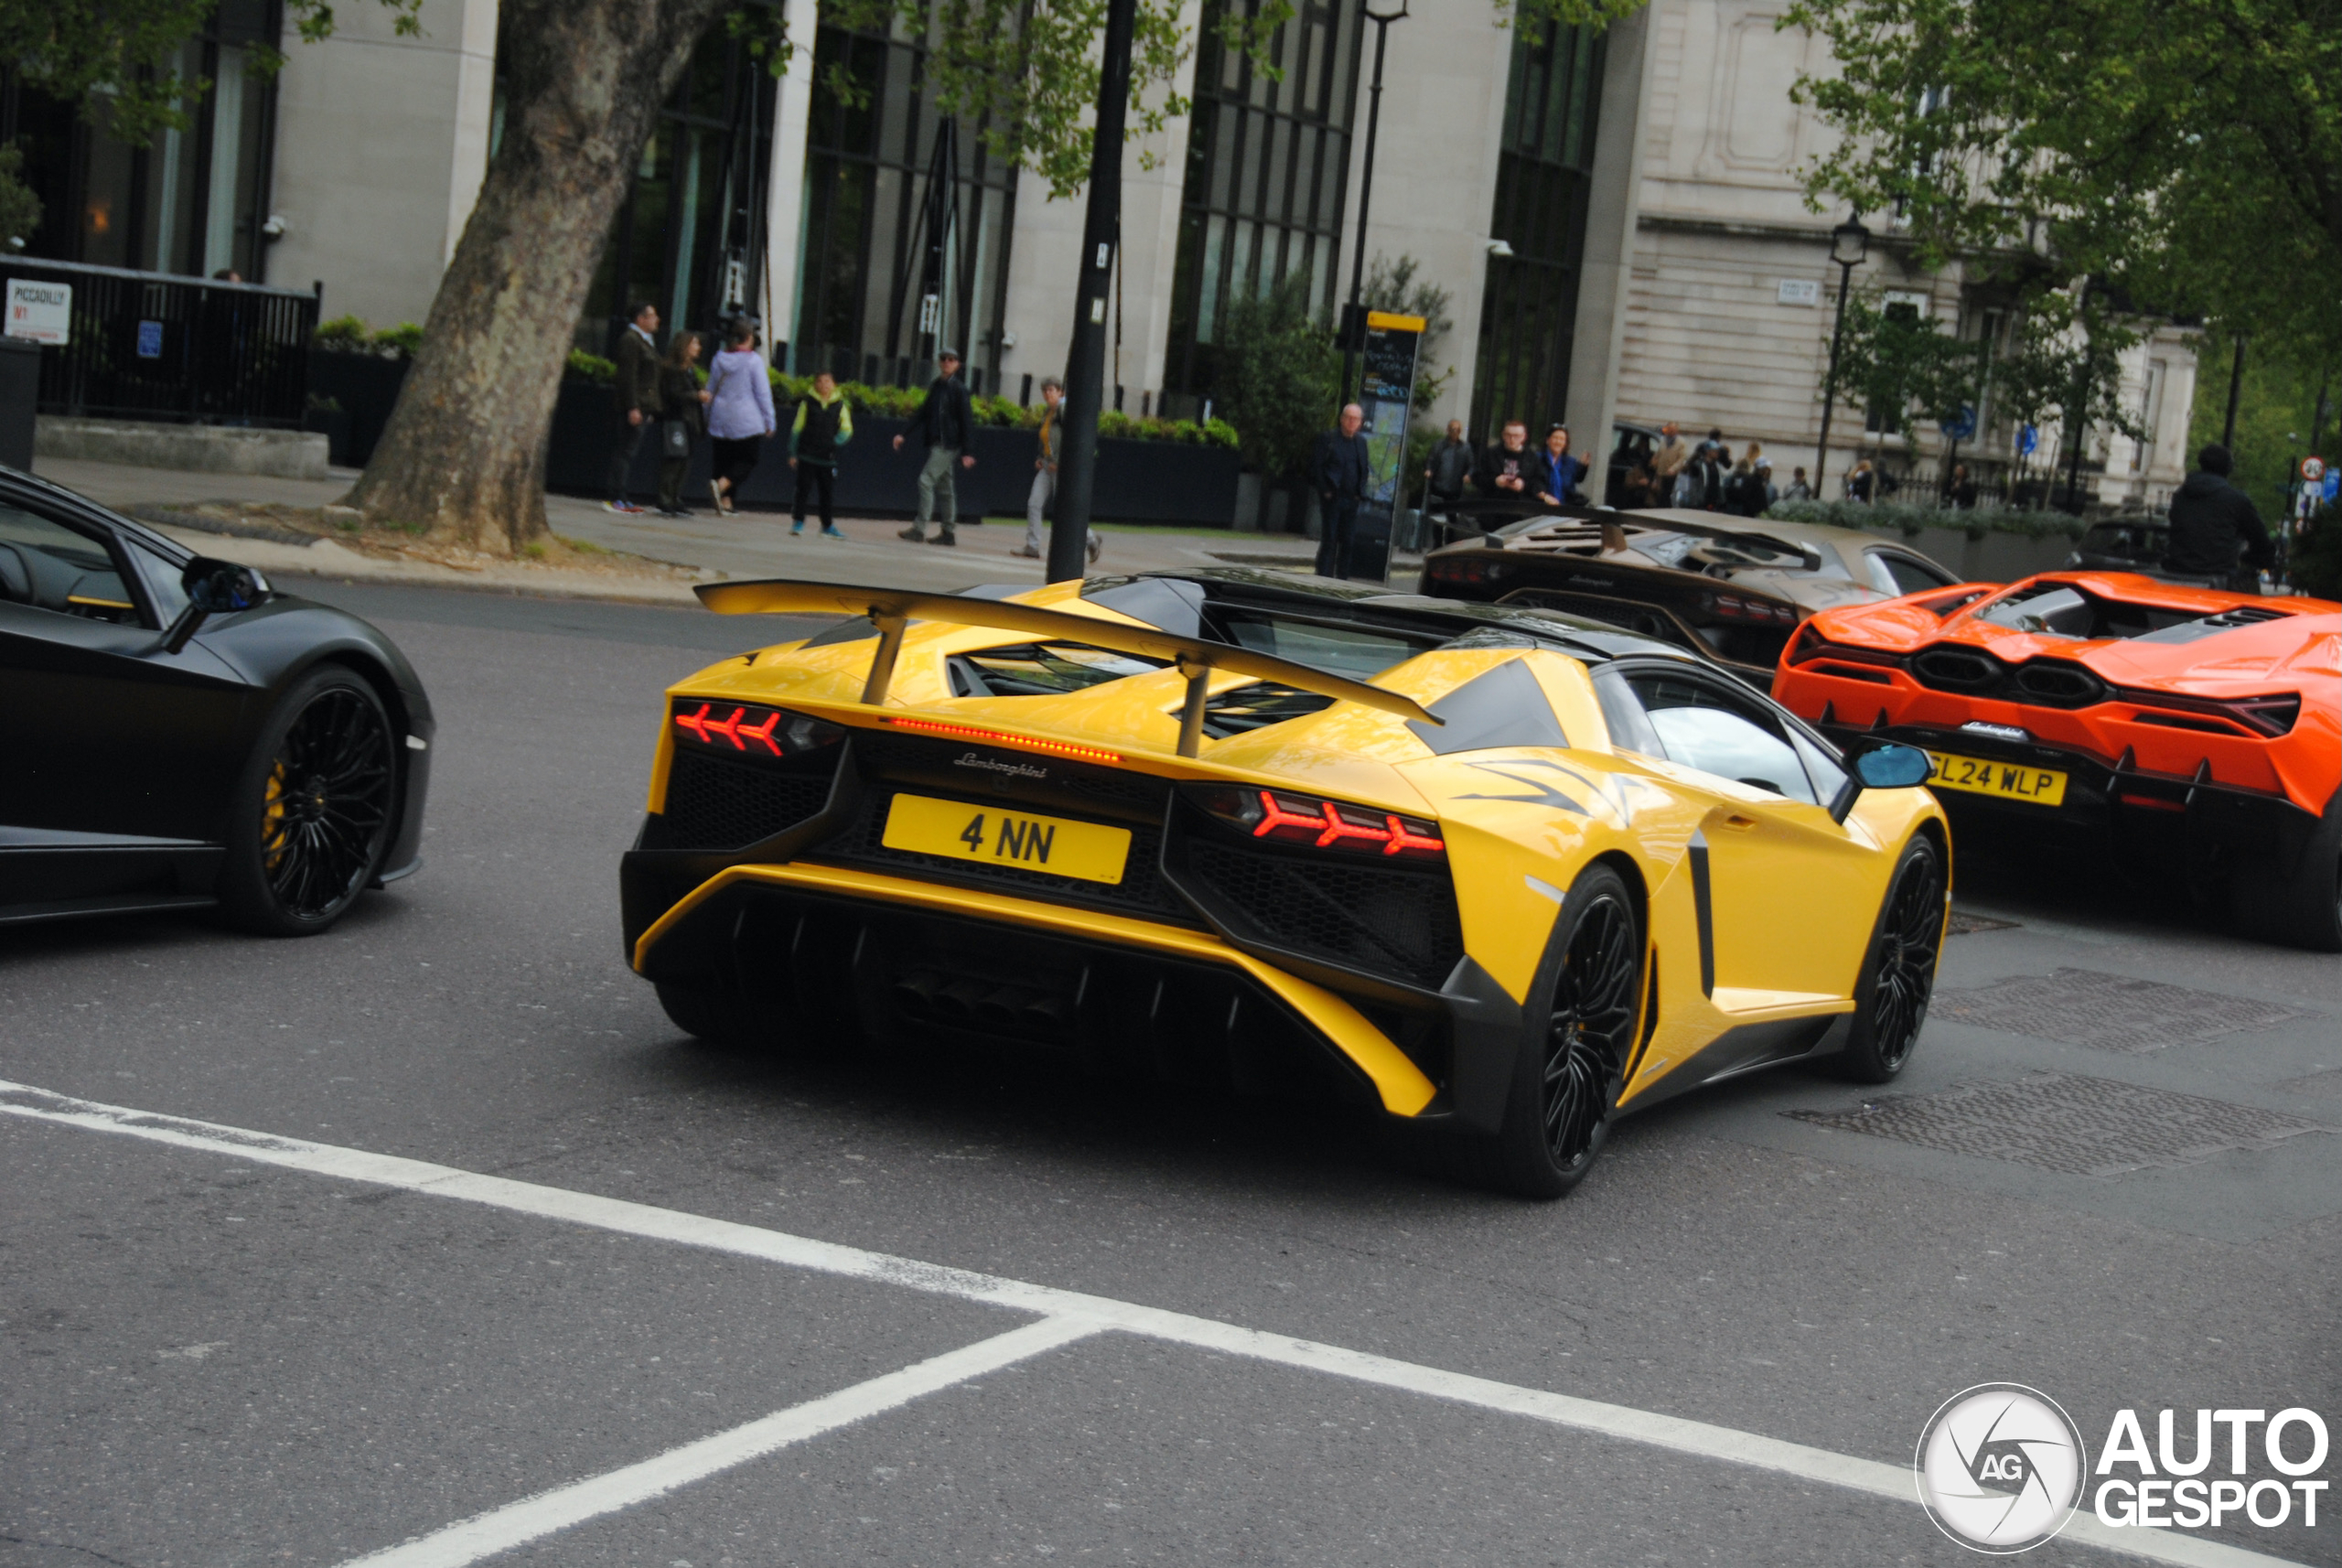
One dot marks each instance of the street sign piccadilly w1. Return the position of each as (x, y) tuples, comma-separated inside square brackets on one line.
[(39, 310)]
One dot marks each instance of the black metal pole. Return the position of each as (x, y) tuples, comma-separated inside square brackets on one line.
[(1829, 382), (2236, 385), (1086, 356), (1365, 195)]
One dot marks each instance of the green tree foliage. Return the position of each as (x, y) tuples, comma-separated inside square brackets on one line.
[(2278, 420), (1901, 365), (1392, 286), (1277, 366), (19, 207), (120, 59), (2190, 152)]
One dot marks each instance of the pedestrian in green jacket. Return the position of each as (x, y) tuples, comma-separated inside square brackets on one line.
[(824, 423)]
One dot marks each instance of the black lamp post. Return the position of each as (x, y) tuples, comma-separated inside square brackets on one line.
[(1353, 322), (1085, 361), (1849, 247)]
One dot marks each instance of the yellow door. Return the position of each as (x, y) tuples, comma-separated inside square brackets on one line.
[(1791, 894)]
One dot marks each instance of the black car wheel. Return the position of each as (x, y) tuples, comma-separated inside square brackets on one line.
[(1898, 975), (2304, 908), (1572, 1067), (312, 813)]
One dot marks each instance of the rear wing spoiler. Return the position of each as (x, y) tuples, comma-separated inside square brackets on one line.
[(1503, 509), (891, 609)]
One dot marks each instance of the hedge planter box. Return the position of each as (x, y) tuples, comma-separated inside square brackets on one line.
[(1995, 558), (1138, 481), (367, 388)]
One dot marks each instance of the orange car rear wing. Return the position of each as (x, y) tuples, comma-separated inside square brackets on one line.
[(890, 609)]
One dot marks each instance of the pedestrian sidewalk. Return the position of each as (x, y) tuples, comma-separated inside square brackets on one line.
[(707, 546)]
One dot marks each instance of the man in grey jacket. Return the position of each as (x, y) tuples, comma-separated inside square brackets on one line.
[(635, 391)]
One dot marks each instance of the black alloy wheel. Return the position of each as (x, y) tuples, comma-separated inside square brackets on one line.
[(314, 811), (2297, 900), (1574, 1068), (1898, 976)]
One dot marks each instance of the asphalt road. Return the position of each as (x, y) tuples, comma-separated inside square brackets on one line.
[(227, 1350)]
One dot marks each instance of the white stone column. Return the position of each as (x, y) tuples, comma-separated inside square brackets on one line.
[(381, 143), (1605, 273), (785, 192)]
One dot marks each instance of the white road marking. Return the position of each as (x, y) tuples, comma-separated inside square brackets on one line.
[(501, 1529), (1894, 1482)]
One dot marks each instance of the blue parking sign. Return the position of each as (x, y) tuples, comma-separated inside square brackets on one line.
[(150, 339)]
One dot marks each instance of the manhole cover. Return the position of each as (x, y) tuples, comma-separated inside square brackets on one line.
[(1963, 923), (2082, 1126), (2106, 1012)]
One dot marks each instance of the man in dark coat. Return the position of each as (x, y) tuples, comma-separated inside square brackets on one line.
[(635, 392), (1338, 473), (946, 422), (1505, 471), (2213, 524)]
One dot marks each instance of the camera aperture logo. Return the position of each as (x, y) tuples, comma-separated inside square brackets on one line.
[(2001, 1468)]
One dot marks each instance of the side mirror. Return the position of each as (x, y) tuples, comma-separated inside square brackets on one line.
[(1884, 767), (213, 588)]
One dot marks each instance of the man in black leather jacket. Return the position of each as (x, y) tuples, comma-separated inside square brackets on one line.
[(2213, 524)]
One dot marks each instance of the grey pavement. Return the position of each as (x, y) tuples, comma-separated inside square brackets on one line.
[(749, 545), (214, 1360)]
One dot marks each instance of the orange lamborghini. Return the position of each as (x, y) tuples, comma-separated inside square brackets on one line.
[(2202, 728)]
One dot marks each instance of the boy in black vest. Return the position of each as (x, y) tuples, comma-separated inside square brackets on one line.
[(824, 423)]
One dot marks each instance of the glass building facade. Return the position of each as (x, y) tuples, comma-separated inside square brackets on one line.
[(1268, 170), (690, 236), (190, 201), (1528, 308), (864, 268)]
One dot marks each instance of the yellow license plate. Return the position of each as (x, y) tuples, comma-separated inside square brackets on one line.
[(1091, 851), (2009, 780)]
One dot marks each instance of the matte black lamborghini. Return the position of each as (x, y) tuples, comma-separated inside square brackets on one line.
[(174, 733)]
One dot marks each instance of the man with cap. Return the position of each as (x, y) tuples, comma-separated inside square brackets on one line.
[(946, 422)]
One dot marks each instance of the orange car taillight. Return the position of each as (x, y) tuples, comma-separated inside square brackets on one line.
[(1282, 817), (760, 732), (2266, 717)]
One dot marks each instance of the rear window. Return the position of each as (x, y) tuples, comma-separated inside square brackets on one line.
[(1359, 652)]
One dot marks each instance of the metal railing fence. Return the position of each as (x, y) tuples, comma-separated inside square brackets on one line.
[(160, 346)]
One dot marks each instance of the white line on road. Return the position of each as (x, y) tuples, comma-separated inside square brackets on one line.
[(501, 1529), (1698, 1438)]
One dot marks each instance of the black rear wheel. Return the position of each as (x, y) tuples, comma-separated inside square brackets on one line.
[(2301, 904), (1898, 975), (1573, 1065), (312, 814)]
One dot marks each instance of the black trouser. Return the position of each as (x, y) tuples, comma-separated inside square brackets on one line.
[(622, 451), (736, 460), (1337, 516), (822, 477)]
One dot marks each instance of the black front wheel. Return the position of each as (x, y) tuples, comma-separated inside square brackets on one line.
[(313, 809), (1573, 1064), (1898, 974)]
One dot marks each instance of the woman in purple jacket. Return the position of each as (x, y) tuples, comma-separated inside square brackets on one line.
[(739, 413)]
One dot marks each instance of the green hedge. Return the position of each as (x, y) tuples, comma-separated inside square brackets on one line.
[(1911, 518), (902, 403)]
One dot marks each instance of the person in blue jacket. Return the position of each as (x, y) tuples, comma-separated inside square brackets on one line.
[(1557, 473)]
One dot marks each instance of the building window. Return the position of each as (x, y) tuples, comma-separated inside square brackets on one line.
[(1268, 168), (869, 225), (191, 201), (690, 236), (1529, 308)]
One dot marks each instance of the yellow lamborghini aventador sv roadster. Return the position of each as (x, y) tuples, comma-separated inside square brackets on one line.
[(1493, 871)]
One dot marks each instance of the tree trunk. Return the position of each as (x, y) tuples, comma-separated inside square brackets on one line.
[(464, 453)]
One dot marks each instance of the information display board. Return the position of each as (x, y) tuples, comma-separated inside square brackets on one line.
[(1387, 395)]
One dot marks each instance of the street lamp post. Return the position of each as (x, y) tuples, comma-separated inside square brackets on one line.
[(1352, 323), (1849, 247), (1085, 366)]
